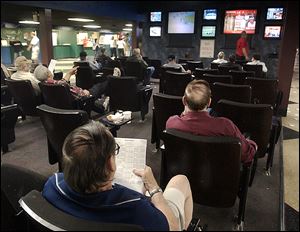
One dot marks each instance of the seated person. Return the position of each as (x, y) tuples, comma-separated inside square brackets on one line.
[(93, 64), (86, 190), (137, 57), (256, 61), (172, 64), (102, 58), (196, 120), (23, 73), (221, 58), (231, 63)]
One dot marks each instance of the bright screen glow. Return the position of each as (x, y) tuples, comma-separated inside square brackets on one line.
[(181, 22), (208, 31), (155, 31), (237, 21), (155, 16), (272, 31), (274, 13), (210, 14)]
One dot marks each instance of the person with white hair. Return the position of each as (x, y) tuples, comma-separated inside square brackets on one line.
[(221, 58), (23, 66)]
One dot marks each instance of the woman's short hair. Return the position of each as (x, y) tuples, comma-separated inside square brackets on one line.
[(221, 55), (41, 73), (86, 152), (171, 57), (197, 94)]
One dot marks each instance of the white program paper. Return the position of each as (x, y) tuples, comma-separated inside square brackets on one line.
[(51, 65), (132, 155)]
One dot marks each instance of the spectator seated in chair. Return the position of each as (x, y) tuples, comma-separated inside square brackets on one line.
[(231, 63), (102, 58), (196, 119), (172, 64), (256, 61), (96, 67), (221, 58), (86, 190)]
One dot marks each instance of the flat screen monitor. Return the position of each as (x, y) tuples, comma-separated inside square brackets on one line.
[(155, 16), (208, 31), (210, 14), (275, 14), (237, 21), (272, 32), (155, 31), (181, 22)]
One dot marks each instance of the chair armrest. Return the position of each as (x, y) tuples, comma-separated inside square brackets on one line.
[(247, 135), (145, 88)]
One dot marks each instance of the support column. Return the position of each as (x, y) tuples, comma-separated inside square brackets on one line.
[(287, 53), (46, 47)]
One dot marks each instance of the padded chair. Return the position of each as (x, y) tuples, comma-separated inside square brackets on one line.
[(163, 71), (238, 77), (6, 98), (16, 182), (135, 69), (24, 95), (238, 93), (85, 77), (3, 77), (58, 123), (224, 70), (107, 71), (175, 83), (192, 65), (184, 60), (253, 119), (156, 64), (199, 72), (214, 65), (212, 165), (59, 96), (217, 78), (256, 68), (42, 215), (9, 116), (125, 94), (164, 106)]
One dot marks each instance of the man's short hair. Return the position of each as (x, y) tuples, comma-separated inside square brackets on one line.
[(232, 58), (86, 152), (82, 54), (256, 56), (197, 94), (171, 57)]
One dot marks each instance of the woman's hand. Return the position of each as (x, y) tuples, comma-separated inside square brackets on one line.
[(147, 177)]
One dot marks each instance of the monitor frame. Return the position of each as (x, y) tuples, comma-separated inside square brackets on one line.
[(161, 17), (272, 38), (208, 37), (151, 36), (275, 20), (209, 9), (195, 20)]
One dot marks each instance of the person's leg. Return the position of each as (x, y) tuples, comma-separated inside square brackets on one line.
[(150, 71), (181, 183)]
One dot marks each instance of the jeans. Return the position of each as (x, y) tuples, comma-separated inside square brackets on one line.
[(150, 71)]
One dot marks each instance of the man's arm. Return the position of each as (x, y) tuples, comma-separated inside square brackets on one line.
[(245, 53)]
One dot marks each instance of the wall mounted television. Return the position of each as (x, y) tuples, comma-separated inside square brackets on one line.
[(272, 32), (210, 14), (208, 32), (155, 31), (274, 13), (181, 22), (236, 21), (155, 16)]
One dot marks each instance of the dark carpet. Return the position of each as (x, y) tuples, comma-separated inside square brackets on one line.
[(291, 218), (289, 133), (262, 210)]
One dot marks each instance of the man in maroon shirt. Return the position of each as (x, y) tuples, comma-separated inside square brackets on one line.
[(196, 119), (242, 47)]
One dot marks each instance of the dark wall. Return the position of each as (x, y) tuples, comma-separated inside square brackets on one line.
[(158, 48)]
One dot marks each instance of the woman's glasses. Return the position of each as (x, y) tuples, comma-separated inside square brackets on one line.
[(117, 149)]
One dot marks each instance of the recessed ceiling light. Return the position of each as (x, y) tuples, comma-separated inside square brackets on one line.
[(128, 25), (81, 20), (29, 22), (92, 26), (127, 29)]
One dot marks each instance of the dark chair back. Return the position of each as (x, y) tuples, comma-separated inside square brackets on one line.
[(58, 123), (81, 64), (57, 95), (239, 93), (214, 65), (163, 71), (42, 216), (6, 98), (255, 119), (107, 71), (176, 82), (164, 106), (184, 60), (238, 77), (210, 78), (135, 69), (156, 64), (9, 116), (85, 77), (192, 65), (224, 70), (255, 68), (3, 77), (24, 95), (200, 71)]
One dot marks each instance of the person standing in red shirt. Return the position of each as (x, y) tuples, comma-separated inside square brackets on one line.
[(242, 47)]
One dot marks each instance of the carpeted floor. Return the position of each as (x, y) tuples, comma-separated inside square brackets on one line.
[(262, 210), (291, 219)]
